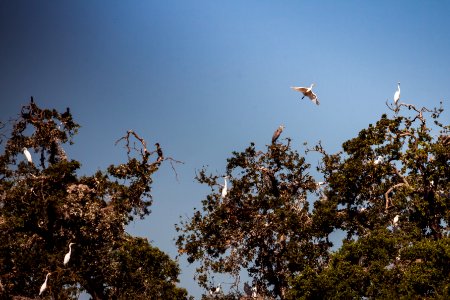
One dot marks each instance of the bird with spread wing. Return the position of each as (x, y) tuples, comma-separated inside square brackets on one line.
[(307, 92)]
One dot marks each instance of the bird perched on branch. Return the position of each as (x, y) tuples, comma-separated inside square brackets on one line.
[(27, 155), (159, 152), (277, 133), (215, 291), (397, 94), (44, 285), (225, 187), (307, 92), (67, 256)]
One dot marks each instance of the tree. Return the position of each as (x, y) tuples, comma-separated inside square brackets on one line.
[(45, 205), (263, 224), (389, 190)]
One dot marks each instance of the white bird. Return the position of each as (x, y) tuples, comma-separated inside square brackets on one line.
[(216, 290), (254, 294), (44, 285), (307, 92), (67, 256), (397, 93), (378, 160), (277, 133), (225, 188), (27, 155), (395, 221)]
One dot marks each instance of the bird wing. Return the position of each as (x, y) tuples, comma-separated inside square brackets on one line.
[(299, 89), (313, 97)]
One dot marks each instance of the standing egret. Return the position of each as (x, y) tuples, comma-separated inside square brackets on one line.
[(44, 285), (397, 93), (225, 187), (27, 155), (67, 256), (307, 92), (277, 133)]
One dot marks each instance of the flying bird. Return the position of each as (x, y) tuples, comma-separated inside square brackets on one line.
[(307, 92), (67, 256), (44, 285), (277, 133), (397, 93), (27, 155), (225, 188)]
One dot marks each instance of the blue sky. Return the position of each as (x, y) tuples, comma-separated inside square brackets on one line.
[(204, 78)]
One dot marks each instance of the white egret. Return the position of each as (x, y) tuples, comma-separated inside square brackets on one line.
[(27, 155), (395, 221), (225, 188), (44, 285), (277, 133), (67, 256), (378, 160), (397, 93), (307, 92)]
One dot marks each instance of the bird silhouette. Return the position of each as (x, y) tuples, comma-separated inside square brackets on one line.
[(307, 92)]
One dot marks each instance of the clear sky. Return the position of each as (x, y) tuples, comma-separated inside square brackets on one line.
[(204, 78)]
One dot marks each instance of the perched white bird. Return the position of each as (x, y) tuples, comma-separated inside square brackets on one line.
[(395, 221), (378, 160), (225, 187), (277, 133), (307, 92), (44, 285), (216, 290), (67, 256), (254, 292), (27, 155), (397, 93)]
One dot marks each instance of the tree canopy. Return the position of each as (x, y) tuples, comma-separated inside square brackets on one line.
[(45, 205), (388, 190)]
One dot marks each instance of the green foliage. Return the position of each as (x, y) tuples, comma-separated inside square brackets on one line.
[(380, 259), (262, 225), (398, 167), (45, 205)]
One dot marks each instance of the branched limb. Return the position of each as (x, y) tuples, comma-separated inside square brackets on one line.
[(144, 151), (404, 183)]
